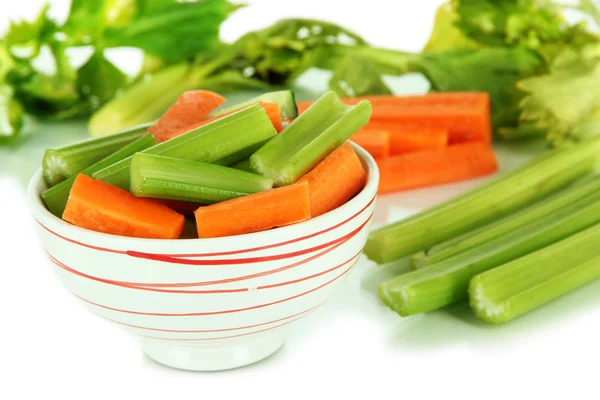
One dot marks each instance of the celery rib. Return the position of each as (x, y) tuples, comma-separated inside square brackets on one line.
[(209, 143), (447, 282), (491, 201), (175, 179), (64, 162), (56, 197), (523, 217), (515, 288), (309, 139)]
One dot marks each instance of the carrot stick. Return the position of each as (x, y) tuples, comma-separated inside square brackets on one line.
[(254, 213), (334, 180), (437, 166), (466, 115), (272, 110), (190, 108), (101, 207), (409, 138), (375, 141)]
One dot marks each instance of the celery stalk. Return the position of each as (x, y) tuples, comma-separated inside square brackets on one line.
[(175, 179), (485, 233), (208, 143), (489, 202), (309, 139), (522, 285), (243, 165), (142, 102), (447, 282), (61, 163), (56, 197)]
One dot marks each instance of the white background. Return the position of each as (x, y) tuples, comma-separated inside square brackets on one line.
[(50, 346)]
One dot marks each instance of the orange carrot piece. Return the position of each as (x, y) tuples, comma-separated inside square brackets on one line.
[(375, 141), (466, 115), (409, 138), (255, 212), (433, 167), (182, 207), (190, 108), (335, 180), (101, 207), (272, 110)]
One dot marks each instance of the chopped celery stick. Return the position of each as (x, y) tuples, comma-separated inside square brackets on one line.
[(175, 179), (64, 162), (525, 216), (485, 204), (522, 285), (208, 143), (447, 282), (243, 165), (306, 141), (285, 99), (240, 155), (56, 197)]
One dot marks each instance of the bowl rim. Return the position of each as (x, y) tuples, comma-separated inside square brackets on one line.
[(366, 195)]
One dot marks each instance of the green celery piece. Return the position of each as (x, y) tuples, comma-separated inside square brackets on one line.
[(64, 162), (489, 202), (308, 139), (175, 179), (241, 155), (506, 225), (56, 197), (142, 102), (515, 288), (447, 282), (243, 165), (208, 143), (285, 99)]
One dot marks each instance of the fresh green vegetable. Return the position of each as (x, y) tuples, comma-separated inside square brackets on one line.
[(489, 202), (526, 216), (262, 59), (243, 165), (168, 30), (64, 162), (447, 282), (308, 139), (175, 179), (56, 197), (527, 283), (208, 143), (285, 99)]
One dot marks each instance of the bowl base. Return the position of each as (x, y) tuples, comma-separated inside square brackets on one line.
[(214, 356)]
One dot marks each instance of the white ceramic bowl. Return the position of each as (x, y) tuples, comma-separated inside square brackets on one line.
[(209, 304)]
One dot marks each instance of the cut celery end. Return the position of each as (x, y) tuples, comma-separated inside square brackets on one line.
[(56, 197), (175, 179), (306, 141), (447, 282), (285, 99), (507, 224), (490, 202), (208, 143), (64, 162), (515, 288)]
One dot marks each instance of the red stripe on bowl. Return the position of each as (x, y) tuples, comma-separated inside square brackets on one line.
[(239, 328), (250, 260), (201, 314), (233, 252), (127, 285), (227, 337)]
